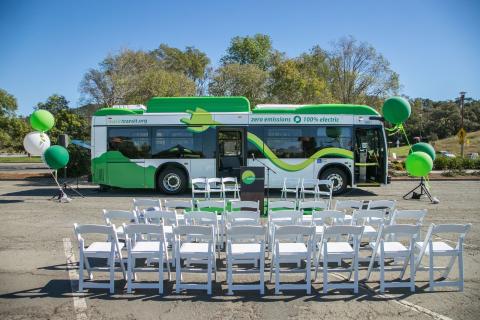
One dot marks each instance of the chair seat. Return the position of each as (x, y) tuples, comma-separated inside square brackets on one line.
[(391, 247), (101, 247), (168, 230), (438, 247), (245, 248), (292, 248), (338, 248), (146, 246), (289, 190), (310, 191), (194, 248), (119, 230), (319, 229), (348, 218)]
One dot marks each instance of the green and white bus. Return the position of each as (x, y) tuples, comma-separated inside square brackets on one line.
[(173, 140)]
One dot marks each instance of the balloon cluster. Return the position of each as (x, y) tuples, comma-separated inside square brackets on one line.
[(37, 143), (419, 163)]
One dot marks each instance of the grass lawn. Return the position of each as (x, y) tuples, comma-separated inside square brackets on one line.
[(20, 159), (401, 152)]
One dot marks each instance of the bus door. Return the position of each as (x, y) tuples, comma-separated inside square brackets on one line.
[(231, 151), (370, 156)]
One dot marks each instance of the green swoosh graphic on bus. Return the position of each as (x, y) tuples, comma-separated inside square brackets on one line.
[(267, 152)]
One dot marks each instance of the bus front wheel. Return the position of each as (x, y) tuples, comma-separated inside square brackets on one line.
[(338, 177), (172, 180)]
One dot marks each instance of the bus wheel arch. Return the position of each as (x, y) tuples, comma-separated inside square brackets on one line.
[(171, 178), (338, 172)]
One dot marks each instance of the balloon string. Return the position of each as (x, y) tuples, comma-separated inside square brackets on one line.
[(427, 182), (402, 129), (56, 181)]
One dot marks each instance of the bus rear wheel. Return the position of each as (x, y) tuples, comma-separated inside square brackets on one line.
[(339, 178), (172, 181)]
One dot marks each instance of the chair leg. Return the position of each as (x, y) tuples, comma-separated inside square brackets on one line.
[(80, 272), (382, 272), (178, 273), (262, 274), (355, 274), (112, 273), (129, 274), (430, 271), (309, 274), (160, 273), (325, 274), (460, 271), (449, 267), (209, 275), (229, 276), (412, 270), (277, 275)]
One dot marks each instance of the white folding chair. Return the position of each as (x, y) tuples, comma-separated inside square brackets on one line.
[(363, 217), (290, 185), (168, 219), (433, 249), (200, 186), (334, 251), (194, 252), (281, 205), (286, 252), (217, 206), (139, 205), (245, 205), (214, 185), (383, 249), (281, 218), (408, 216), (230, 184), (311, 206), (119, 217), (322, 219), (309, 187), (325, 188), (348, 206), (138, 248), (242, 218), (245, 246), (110, 250), (179, 206), (203, 218)]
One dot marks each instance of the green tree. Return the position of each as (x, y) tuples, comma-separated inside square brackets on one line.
[(55, 103), (8, 103), (256, 50), (133, 77), (357, 72), (191, 62), (240, 80)]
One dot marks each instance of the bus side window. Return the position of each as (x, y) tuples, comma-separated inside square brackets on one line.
[(133, 143)]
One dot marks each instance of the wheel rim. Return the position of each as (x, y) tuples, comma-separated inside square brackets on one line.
[(337, 181), (171, 182)]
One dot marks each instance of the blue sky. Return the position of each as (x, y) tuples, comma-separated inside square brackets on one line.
[(47, 46)]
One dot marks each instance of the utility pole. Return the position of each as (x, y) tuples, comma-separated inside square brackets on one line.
[(462, 100)]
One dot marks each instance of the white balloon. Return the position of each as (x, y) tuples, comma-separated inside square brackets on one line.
[(36, 143)]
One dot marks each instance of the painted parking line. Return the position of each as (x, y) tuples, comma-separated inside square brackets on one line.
[(79, 303), (402, 302)]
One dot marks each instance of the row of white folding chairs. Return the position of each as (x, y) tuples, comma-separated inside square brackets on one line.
[(246, 245), (302, 188), (221, 186)]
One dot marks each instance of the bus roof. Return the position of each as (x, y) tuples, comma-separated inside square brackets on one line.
[(237, 104)]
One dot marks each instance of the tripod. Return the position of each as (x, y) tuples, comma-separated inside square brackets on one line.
[(423, 191)]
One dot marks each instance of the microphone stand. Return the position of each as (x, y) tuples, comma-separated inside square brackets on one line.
[(268, 176)]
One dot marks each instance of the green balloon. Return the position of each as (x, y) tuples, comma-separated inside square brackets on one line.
[(396, 110), (419, 164), (56, 157), (424, 147), (42, 120)]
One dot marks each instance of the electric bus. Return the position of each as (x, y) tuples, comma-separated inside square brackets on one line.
[(172, 140)]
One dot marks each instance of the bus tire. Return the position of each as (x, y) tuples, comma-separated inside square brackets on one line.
[(339, 177), (172, 180)]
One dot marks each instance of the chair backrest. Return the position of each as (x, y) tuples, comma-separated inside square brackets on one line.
[(398, 231), (229, 180), (416, 215), (194, 233), (235, 218), (285, 217), (349, 205), (364, 216), (348, 232), (219, 205), (214, 183), (245, 233), (146, 204), (281, 204), (178, 204), (287, 232), (327, 183), (245, 205), (125, 216), (109, 231), (327, 217), (200, 218), (291, 183), (310, 183), (199, 184), (313, 205), (168, 218), (136, 232), (387, 205)]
